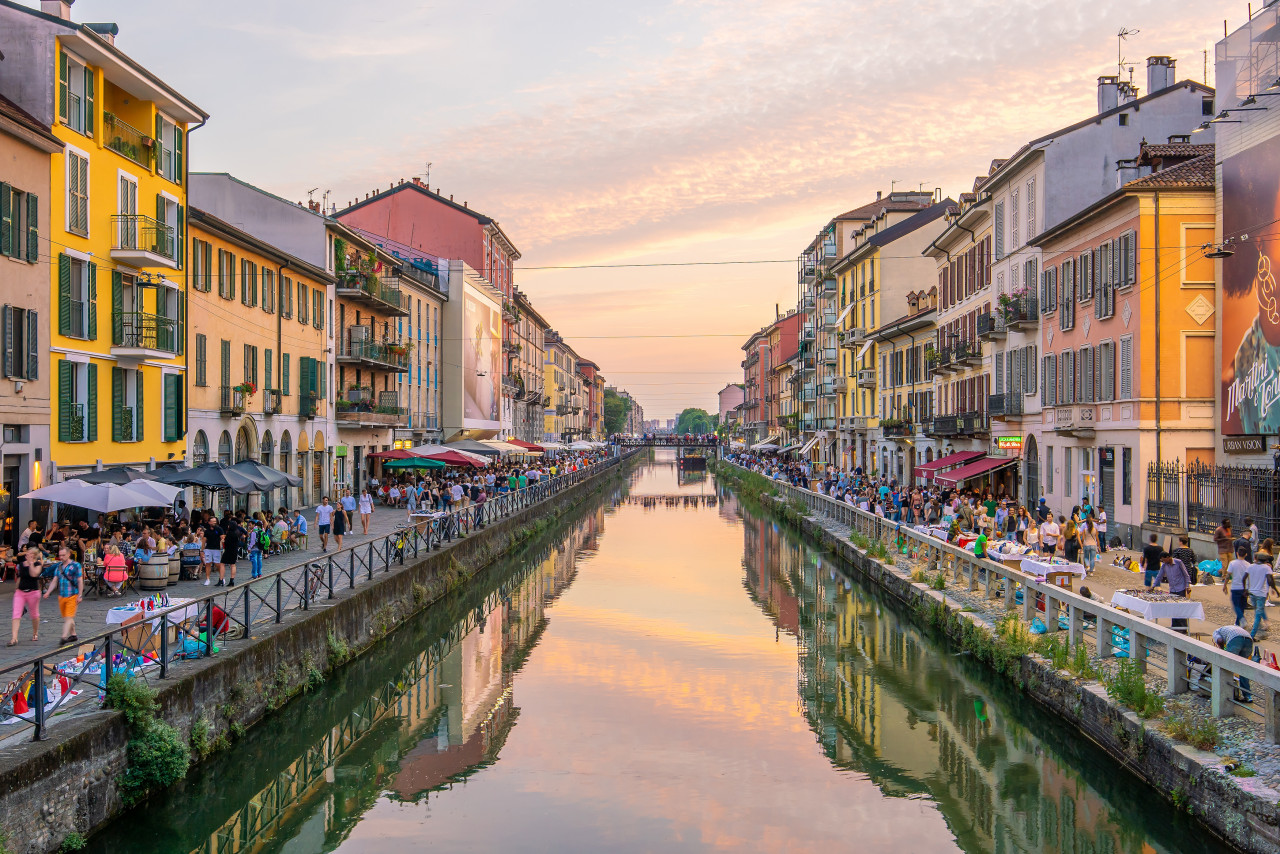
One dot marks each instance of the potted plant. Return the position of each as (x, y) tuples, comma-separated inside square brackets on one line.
[(247, 388)]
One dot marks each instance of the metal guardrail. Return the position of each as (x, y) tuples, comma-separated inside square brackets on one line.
[(1215, 672), (141, 650)]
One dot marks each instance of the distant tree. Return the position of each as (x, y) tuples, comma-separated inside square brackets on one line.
[(694, 420), (615, 411)]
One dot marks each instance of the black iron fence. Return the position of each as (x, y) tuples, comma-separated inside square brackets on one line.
[(1198, 496), (75, 674)]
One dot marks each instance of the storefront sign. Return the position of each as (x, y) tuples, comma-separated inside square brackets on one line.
[(1107, 456), (340, 451), (1244, 444), (1009, 443)]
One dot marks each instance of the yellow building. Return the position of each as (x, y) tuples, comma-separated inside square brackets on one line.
[(257, 389), (117, 208)]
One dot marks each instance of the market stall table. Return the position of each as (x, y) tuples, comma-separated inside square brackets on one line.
[(1040, 567), (1158, 606)]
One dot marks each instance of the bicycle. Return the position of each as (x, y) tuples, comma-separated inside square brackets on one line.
[(314, 579)]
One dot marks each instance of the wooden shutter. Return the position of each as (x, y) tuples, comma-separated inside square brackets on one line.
[(267, 368), (999, 230), (202, 345), (64, 294), (1108, 371), (33, 345), (1086, 374), (117, 309), (182, 322), (88, 101), (9, 356), (1132, 253), (33, 227), (178, 173), (1126, 368), (117, 404), (91, 404), (1032, 361), (138, 408), (169, 391), (66, 396), (284, 374), (180, 236), (93, 302), (6, 219), (322, 368), (64, 79), (246, 362), (225, 366)]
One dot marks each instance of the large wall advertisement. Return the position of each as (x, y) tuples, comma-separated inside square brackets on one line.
[(1251, 292), (481, 357)]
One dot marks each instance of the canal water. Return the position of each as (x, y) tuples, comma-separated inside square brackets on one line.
[(668, 671)]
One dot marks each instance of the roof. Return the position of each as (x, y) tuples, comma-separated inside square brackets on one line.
[(409, 185), (18, 116), (901, 229), (1198, 173), (907, 322), (873, 209), (198, 217), (1180, 150)]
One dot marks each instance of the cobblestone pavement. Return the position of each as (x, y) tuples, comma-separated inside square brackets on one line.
[(91, 617)]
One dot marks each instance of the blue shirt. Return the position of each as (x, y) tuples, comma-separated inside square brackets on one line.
[(68, 576), (302, 524)]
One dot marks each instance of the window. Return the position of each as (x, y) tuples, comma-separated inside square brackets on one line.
[(267, 369), (169, 151), (248, 282), (302, 302), (1066, 472), (1206, 109), (126, 405), (1126, 369), (268, 290), (284, 374), (77, 298), (998, 228), (202, 266), (224, 363), (75, 94), (1031, 207), (317, 309), (226, 274), (1086, 374), (1048, 469), (171, 390), (21, 343), (77, 401), (202, 359), (1126, 476), (1014, 241), (1124, 119), (1106, 372), (251, 364), (19, 224), (1128, 260), (286, 297), (77, 193)]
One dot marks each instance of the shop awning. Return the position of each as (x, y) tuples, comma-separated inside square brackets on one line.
[(948, 461), (790, 447), (977, 468), (808, 446)]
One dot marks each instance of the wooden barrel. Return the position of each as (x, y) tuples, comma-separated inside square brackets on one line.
[(154, 574), (175, 568)]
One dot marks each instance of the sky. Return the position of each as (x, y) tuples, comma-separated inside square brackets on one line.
[(665, 132)]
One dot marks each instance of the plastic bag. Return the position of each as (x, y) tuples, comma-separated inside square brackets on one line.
[(1038, 627), (1210, 567)]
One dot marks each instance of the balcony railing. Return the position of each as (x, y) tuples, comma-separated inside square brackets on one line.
[(990, 325), (867, 378), (945, 425), (829, 355), (897, 429), (381, 292), (965, 352), (426, 421), (232, 400), (77, 425), (1019, 311), (308, 404), (359, 394), (127, 140), (1004, 405), (974, 423), (271, 401), (842, 383), (827, 423), (391, 356), (142, 331), (809, 332), (829, 319), (142, 233)]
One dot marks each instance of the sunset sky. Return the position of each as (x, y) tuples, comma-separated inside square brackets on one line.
[(647, 132)]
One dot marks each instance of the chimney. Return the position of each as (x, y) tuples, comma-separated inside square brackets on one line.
[(57, 8), (878, 194), (107, 31), (1161, 73), (417, 182), (1108, 93)]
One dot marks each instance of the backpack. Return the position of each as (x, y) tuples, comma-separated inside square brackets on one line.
[(264, 540)]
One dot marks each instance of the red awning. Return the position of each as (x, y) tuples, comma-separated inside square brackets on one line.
[(948, 461), (955, 477), (395, 454), (528, 446)]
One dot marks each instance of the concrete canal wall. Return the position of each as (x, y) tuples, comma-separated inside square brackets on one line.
[(67, 783), (1241, 812)]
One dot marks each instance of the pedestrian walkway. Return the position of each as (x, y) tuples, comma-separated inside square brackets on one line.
[(91, 617)]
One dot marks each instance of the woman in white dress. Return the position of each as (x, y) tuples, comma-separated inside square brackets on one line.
[(366, 509)]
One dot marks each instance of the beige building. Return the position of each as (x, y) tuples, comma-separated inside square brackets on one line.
[(526, 356), (25, 149)]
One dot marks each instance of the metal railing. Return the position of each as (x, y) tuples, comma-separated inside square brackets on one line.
[(1186, 663), (393, 356), (426, 421), (666, 441), (144, 233), (167, 638), (142, 330), (384, 289), (77, 424), (127, 141), (271, 402), (231, 400), (1006, 404)]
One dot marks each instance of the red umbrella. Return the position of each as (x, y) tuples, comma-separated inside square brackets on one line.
[(528, 446), (453, 458), (397, 454)]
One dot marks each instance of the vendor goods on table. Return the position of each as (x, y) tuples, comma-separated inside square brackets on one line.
[(1148, 595)]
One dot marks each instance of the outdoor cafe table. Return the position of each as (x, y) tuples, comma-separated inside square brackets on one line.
[(177, 615), (1176, 607)]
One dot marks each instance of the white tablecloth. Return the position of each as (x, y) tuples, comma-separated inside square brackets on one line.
[(1039, 567), (176, 616), (1183, 608)]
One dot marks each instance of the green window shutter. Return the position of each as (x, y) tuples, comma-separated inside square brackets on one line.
[(284, 374), (182, 322), (246, 360), (33, 227), (117, 404), (33, 345), (66, 396), (226, 362), (201, 359), (88, 101), (172, 397), (93, 303), (6, 219), (64, 295), (138, 408), (266, 369), (9, 357), (63, 79), (91, 404), (117, 308), (156, 145), (180, 233), (178, 174)]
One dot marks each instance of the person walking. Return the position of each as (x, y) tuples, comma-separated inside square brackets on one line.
[(70, 586), (1258, 582), (341, 519), (349, 504), (232, 534), (324, 522), (212, 550), (366, 510), (1234, 581), (1089, 535), (27, 595), (257, 535)]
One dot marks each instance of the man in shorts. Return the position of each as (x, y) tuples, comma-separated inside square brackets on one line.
[(1049, 533), (324, 522), (70, 588), (212, 550)]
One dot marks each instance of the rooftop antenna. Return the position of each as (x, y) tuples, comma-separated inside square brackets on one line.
[(311, 193), (1124, 33), (427, 174), (324, 200), (893, 183)]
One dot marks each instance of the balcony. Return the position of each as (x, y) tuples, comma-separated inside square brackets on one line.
[(867, 378), (366, 412), (830, 355), (426, 422), (973, 424), (307, 405), (829, 319), (807, 271), (1020, 311), (990, 325), (808, 303), (232, 400), (808, 394), (1077, 421), (966, 353), (809, 333), (943, 363), (422, 272), (387, 357), (512, 384), (897, 428), (76, 428), (136, 335), (860, 422), (1003, 406), (827, 423), (271, 402), (827, 388), (842, 384), (127, 141), (143, 241), (932, 364), (827, 285), (378, 293)]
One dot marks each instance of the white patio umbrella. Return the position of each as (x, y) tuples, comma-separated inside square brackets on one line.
[(108, 497), (505, 447), (764, 446), (582, 446)]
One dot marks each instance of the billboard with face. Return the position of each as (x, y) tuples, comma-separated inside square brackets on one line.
[(481, 357), (1250, 292)]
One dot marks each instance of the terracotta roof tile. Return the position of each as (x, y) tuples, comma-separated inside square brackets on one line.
[(1180, 150), (1196, 173), (14, 113)]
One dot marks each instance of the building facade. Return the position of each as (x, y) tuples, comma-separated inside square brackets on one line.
[(903, 437), (527, 371)]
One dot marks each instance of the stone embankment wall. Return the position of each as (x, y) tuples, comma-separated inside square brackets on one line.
[(1241, 812), (66, 783)]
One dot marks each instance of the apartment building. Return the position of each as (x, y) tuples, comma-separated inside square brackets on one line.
[(903, 437), (527, 358)]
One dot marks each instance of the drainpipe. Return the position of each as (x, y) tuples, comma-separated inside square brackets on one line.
[(1157, 325), (279, 370), (187, 494)]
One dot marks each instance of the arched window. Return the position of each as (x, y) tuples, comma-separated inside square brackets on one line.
[(200, 449), (267, 450), (244, 444), (224, 448)]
